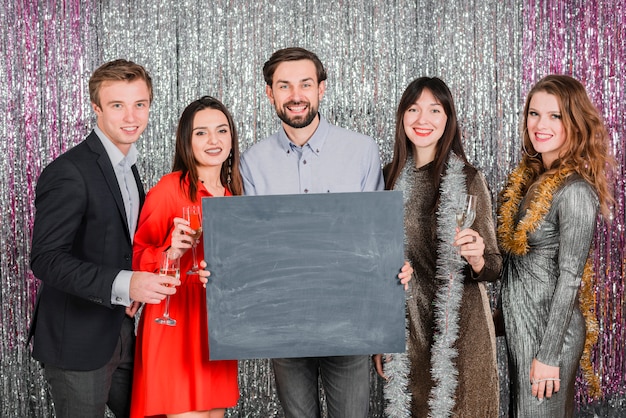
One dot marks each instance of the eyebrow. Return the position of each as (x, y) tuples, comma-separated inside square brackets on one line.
[(430, 104), (206, 127), (549, 111), (122, 101), (300, 81)]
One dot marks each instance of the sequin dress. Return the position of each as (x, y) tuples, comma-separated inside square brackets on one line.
[(540, 299), (477, 394)]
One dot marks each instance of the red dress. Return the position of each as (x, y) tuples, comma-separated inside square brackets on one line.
[(172, 372)]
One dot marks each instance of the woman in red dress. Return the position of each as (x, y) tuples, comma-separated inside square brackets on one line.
[(173, 375)]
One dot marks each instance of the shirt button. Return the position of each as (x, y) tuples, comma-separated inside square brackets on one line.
[(118, 299), (306, 190), (304, 162)]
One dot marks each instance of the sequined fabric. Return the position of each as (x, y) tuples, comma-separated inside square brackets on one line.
[(477, 393), (540, 300)]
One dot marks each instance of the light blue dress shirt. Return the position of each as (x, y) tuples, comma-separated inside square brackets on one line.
[(333, 160), (120, 293)]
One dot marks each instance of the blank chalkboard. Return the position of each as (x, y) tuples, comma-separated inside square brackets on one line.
[(304, 275)]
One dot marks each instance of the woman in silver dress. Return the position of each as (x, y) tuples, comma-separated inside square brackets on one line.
[(451, 366), (546, 222)]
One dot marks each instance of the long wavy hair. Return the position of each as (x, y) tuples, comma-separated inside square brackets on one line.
[(450, 141), (184, 160), (586, 138)]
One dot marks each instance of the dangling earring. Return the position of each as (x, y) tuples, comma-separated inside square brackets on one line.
[(524, 146), (230, 164)]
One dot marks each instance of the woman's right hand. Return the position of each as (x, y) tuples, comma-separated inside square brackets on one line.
[(378, 363)]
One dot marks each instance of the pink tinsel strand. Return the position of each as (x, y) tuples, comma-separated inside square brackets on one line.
[(590, 51)]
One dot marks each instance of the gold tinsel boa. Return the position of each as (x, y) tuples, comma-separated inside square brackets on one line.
[(514, 239)]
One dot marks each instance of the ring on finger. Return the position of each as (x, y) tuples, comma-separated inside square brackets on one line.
[(473, 239)]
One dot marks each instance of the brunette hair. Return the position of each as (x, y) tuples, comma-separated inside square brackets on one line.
[(292, 54), (117, 70), (586, 138), (450, 141), (184, 160)]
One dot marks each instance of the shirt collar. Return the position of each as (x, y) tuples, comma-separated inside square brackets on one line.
[(315, 143), (115, 155)]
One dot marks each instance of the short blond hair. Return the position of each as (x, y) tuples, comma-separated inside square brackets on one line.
[(117, 70)]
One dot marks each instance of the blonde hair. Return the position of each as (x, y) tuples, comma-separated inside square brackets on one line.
[(117, 70)]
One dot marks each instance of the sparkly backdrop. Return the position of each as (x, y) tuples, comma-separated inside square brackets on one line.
[(489, 52)]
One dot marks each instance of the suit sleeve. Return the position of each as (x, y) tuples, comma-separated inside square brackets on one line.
[(62, 255)]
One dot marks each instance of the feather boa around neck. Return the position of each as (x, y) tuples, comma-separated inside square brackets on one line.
[(446, 304), (513, 239)]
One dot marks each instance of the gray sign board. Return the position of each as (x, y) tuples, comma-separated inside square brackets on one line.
[(304, 275)]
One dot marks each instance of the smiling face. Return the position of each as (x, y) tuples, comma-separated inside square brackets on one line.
[(211, 138), (296, 93), (545, 127), (123, 111), (424, 124)]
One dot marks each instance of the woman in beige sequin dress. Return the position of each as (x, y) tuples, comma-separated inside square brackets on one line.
[(427, 138)]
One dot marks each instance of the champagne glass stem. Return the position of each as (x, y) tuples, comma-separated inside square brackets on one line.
[(166, 313), (166, 319), (194, 267)]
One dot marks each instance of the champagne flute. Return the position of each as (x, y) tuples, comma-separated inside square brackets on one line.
[(466, 211), (168, 267), (193, 214)]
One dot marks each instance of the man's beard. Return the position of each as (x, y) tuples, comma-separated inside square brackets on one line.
[(297, 122)]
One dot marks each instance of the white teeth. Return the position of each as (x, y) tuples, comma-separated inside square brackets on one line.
[(213, 151)]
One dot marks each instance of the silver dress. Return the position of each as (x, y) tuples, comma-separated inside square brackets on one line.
[(540, 299)]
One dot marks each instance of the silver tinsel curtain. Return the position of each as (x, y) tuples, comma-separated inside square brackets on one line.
[(489, 52)]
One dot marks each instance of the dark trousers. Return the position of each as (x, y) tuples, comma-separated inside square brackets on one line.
[(84, 394)]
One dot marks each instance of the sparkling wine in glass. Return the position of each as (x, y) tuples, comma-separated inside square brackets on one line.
[(193, 214), (466, 211), (168, 267)]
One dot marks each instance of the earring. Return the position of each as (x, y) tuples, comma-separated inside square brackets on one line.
[(230, 164), (525, 151)]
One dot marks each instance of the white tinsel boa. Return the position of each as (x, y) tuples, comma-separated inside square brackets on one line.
[(446, 305)]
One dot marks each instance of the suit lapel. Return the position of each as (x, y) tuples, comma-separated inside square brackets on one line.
[(142, 193), (104, 162)]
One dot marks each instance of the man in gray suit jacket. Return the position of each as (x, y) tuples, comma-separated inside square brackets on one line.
[(87, 206)]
